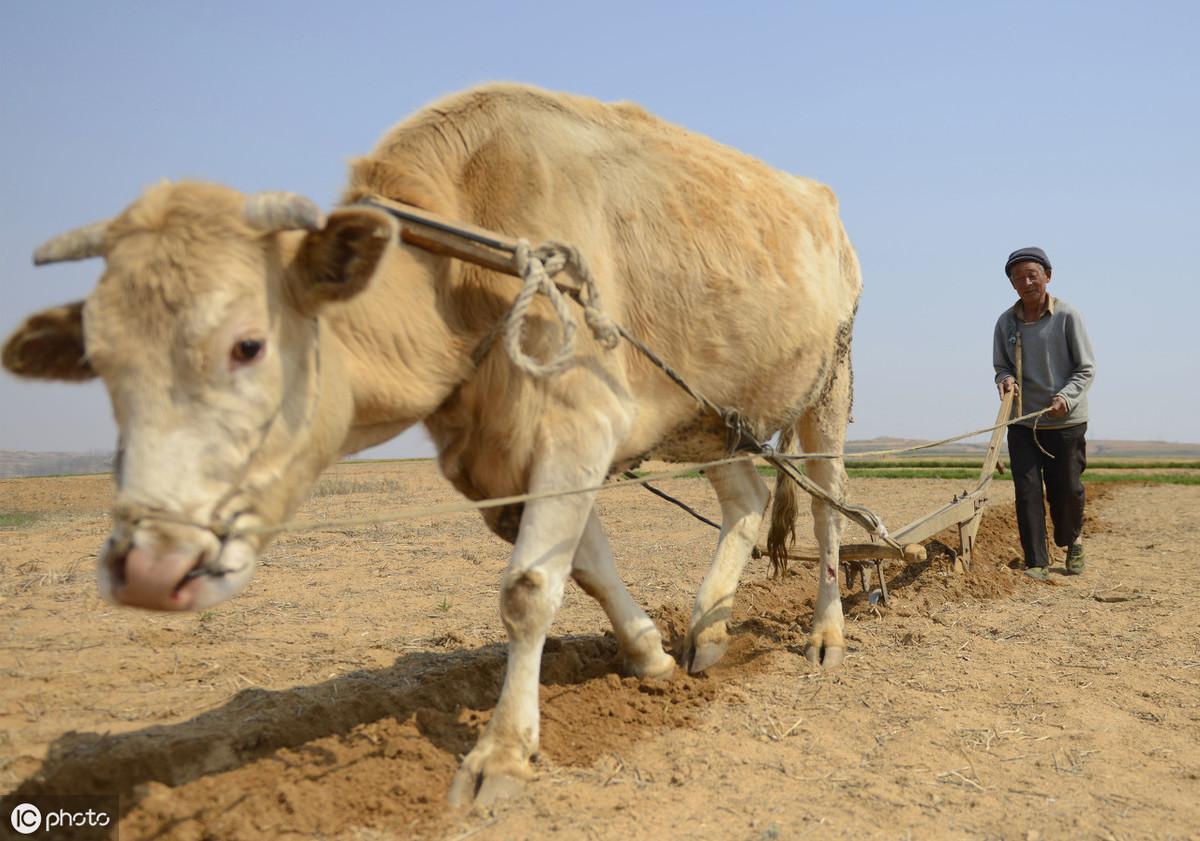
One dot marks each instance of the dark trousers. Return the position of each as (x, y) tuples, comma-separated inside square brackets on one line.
[(1063, 478)]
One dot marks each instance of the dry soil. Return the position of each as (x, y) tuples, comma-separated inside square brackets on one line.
[(334, 697)]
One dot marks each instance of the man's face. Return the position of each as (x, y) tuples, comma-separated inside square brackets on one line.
[(1029, 279)]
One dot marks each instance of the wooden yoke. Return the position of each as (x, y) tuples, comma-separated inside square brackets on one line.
[(439, 235)]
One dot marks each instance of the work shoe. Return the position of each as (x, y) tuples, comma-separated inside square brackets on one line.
[(1038, 573), (1075, 559)]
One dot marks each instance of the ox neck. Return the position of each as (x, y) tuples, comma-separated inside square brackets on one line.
[(395, 349)]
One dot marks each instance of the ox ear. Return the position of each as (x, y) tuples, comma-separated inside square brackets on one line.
[(337, 262), (49, 346)]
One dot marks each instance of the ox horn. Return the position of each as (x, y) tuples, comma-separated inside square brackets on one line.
[(78, 244), (279, 211)]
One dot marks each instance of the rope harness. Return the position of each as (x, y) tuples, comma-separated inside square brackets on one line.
[(537, 269)]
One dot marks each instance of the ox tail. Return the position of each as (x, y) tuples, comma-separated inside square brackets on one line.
[(784, 508)]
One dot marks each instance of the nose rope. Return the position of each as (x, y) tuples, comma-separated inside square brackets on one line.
[(134, 514)]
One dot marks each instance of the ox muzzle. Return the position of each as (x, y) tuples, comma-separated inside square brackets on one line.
[(158, 560)]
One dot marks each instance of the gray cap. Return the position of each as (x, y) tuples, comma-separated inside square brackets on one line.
[(1023, 255)]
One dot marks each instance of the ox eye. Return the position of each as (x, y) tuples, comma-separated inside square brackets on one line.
[(247, 350)]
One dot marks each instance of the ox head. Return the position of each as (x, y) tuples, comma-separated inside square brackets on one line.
[(206, 330)]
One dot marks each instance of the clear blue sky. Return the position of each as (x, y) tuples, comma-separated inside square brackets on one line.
[(952, 133)]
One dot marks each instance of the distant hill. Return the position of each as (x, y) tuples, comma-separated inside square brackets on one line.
[(20, 463)]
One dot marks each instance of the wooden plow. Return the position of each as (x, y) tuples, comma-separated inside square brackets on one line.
[(472, 244), (965, 510)]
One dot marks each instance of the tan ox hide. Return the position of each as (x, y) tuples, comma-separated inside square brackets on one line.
[(247, 343)]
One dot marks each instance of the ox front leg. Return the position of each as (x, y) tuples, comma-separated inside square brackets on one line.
[(743, 496), (640, 640), (530, 594)]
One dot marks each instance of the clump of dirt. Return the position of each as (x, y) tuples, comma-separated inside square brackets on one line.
[(926, 586), (767, 614), (607, 715)]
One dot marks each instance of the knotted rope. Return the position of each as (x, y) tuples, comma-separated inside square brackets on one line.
[(537, 267)]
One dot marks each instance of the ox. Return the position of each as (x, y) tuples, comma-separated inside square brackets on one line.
[(247, 342)]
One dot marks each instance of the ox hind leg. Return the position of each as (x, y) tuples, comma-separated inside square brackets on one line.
[(743, 496), (594, 571), (530, 593), (823, 429)]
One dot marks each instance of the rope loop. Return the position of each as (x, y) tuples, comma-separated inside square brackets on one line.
[(536, 279), (537, 267)]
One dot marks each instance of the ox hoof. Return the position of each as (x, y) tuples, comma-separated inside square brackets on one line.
[(700, 657), (658, 665), (825, 656), (482, 783)]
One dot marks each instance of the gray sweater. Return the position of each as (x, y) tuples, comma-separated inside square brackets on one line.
[(1056, 359)]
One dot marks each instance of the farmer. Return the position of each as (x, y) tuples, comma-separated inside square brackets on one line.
[(1041, 351)]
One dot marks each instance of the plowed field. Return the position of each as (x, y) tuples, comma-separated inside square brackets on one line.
[(333, 698)]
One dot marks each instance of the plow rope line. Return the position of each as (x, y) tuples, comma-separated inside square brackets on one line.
[(628, 481), (495, 502), (914, 448)]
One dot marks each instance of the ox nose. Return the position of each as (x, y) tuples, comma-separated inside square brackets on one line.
[(153, 581)]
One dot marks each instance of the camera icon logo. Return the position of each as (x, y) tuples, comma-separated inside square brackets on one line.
[(26, 818)]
